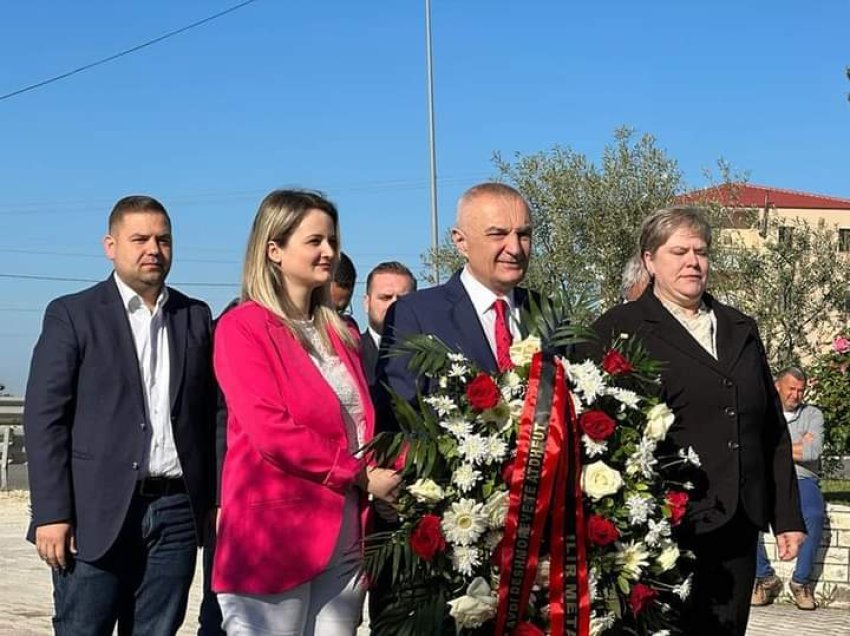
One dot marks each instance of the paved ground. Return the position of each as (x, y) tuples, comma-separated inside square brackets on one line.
[(26, 607)]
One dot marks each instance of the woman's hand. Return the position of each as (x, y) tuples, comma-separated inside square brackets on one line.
[(383, 483)]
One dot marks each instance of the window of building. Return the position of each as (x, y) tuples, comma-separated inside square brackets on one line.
[(844, 240)]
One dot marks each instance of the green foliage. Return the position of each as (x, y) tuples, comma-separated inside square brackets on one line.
[(831, 392), (558, 319), (794, 287)]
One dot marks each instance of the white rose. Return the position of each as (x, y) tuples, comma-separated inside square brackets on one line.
[(496, 509), (426, 491), (659, 419), (476, 607), (668, 557), (523, 351), (600, 480)]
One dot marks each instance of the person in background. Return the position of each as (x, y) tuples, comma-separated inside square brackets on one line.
[(716, 379), (342, 285), (805, 425), (385, 284), (293, 496), (635, 279), (119, 431)]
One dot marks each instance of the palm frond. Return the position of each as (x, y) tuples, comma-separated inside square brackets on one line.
[(556, 319), (428, 354)]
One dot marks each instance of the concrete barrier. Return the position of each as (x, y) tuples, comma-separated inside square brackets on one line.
[(832, 565)]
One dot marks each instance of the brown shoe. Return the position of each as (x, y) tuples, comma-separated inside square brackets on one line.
[(803, 597), (766, 590)]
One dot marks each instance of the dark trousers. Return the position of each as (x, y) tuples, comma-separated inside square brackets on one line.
[(209, 618), (142, 582), (724, 573)]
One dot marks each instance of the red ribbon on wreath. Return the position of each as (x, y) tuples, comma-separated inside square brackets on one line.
[(546, 486)]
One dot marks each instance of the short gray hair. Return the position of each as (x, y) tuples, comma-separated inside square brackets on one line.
[(795, 372), (634, 275), (659, 226)]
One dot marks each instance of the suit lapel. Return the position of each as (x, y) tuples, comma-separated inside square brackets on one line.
[(116, 316), (732, 334), (665, 327), (521, 300), (465, 320), (176, 322)]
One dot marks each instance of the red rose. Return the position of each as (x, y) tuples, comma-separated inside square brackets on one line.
[(427, 538), (601, 531), (615, 363), (482, 392), (597, 425), (641, 596), (677, 501), (527, 629)]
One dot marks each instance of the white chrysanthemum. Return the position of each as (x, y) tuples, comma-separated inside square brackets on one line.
[(442, 404), (511, 386), (642, 461), (496, 508), (456, 357), (588, 380), (465, 522), (593, 583), (599, 624), (639, 508), (688, 485), (633, 557), (465, 477), (683, 590), (625, 397), (457, 426), (473, 448), (658, 531), (465, 559), (578, 405), (497, 449), (592, 448), (690, 456), (457, 370)]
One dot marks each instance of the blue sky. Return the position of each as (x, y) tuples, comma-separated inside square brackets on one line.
[(330, 94)]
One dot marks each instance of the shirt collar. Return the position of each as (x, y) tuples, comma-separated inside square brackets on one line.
[(132, 301), (376, 337), (482, 298)]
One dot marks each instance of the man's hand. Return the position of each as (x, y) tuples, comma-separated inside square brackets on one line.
[(56, 544), (789, 544)]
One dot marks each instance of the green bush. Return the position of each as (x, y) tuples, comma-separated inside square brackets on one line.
[(830, 384)]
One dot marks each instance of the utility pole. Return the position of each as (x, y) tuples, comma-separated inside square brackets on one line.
[(432, 154)]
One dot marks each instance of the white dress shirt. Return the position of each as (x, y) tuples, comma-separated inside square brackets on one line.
[(483, 299), (150, 336), (376, 337)]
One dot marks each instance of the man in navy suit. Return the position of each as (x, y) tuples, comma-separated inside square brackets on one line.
[(119, 427), (477, 311)]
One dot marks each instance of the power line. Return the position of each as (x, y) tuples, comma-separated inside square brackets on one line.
[(138, 47)]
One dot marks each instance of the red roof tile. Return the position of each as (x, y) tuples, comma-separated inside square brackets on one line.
[(756, 196)]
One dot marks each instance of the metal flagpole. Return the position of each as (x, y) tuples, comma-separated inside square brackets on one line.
[(435, 238)]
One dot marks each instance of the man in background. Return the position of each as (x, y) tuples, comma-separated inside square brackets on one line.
[(805, 424), (386, 283)]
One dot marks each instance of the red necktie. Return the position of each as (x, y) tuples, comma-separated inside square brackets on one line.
[(504, 339)]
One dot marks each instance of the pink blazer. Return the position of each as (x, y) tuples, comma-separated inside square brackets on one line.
[(288, 466)]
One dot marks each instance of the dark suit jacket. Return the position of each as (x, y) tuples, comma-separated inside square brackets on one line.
[(85, 421), (727, 409), (445, 311), (369, 357)]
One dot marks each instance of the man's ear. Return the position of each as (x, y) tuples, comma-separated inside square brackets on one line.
[(109, 247), (459, 239)]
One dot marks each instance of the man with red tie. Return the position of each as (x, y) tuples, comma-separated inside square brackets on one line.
[(476, 312)]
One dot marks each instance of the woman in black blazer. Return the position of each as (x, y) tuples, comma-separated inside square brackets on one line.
[(716, 379)]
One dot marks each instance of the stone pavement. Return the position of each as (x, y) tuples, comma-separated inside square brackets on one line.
[(26, 606)]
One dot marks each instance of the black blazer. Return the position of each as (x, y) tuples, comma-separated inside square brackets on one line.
[(85, 421), (727, 409), (445, 311), (369, 357)]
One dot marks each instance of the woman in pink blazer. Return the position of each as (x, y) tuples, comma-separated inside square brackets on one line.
[(293, 500)]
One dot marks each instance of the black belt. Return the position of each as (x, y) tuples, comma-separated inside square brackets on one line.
[(160, 486)]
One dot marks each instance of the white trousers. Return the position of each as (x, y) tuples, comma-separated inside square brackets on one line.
[(329, 605)]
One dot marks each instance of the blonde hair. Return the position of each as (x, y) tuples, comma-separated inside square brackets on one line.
[(659, 226), (280, 213)]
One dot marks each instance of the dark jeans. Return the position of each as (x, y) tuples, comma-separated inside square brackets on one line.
[(209, 617), (812, 507), (142, 582)]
